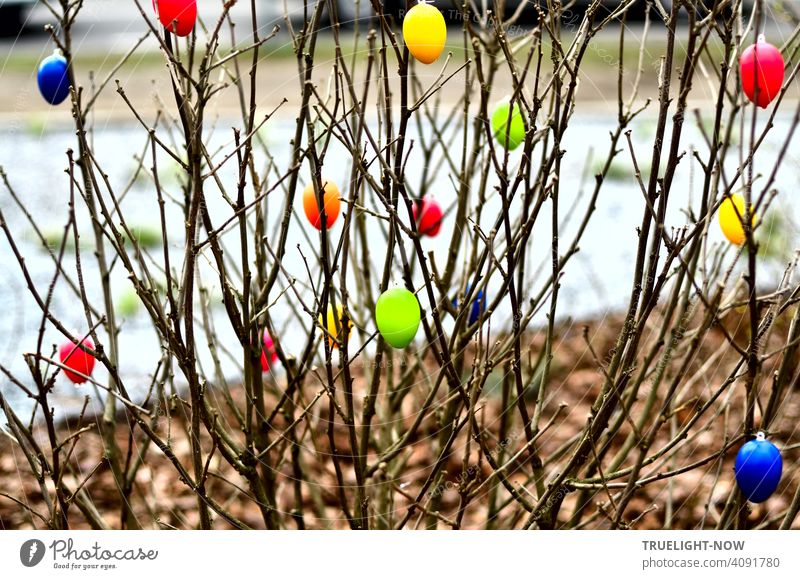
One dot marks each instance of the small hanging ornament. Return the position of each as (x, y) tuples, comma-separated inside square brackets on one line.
[(478, 306), (268, 354), (331, 200), (398, 316), (425, 32), (508, 126), (758, 469), (428, 215), (53, 79), (761, 65), (731, 219), (177, 16), (334, 325), (74, 358)]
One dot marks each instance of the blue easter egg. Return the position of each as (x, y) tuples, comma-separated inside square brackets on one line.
[(478, 306), (758, 469), (53, 80)]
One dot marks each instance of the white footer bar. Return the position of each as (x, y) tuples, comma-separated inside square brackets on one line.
[(389, 555)]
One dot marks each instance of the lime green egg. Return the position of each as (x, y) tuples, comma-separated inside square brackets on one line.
[(128, 303), (508, 126), (398, 316)]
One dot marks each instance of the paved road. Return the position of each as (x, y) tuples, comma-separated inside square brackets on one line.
[(107, 29), (111, 25)]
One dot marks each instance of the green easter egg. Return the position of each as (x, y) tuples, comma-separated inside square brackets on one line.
[(398, 315), (512, 137), (128, 303), (147, 236)]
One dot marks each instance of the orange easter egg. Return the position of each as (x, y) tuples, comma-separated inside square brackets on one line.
[(332, 204)]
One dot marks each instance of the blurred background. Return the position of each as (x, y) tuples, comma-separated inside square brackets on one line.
[(34, 137), (22, 16)]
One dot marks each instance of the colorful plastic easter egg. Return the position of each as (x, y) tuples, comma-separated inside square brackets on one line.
[(478, 306), (53, 79), (178, 16), (334, 321), (398, 316), (761, 65), (508, 126), (758, 469), (268, 354), (332, 202), (731, 219), (425, 32), (429, 218), (76, 359), (128, 303)]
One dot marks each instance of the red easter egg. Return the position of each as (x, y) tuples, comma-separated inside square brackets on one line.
[(178, 16), (268, 354), (761, 64), (429, 219), (76, 359)]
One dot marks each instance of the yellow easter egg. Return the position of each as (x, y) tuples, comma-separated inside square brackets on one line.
[(425, 32), (333, 324), (731, 219)]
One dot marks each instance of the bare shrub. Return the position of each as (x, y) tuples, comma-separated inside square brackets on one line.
[(525, 417)]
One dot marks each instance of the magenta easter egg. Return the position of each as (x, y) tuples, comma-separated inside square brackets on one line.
[(268, 354), (428, 215), (76, 359), (178, 16), (761, 65)]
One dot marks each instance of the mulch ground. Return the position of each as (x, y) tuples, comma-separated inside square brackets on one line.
[(694, 499)]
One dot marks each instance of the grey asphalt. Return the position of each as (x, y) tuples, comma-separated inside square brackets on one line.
[(113, 25)]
